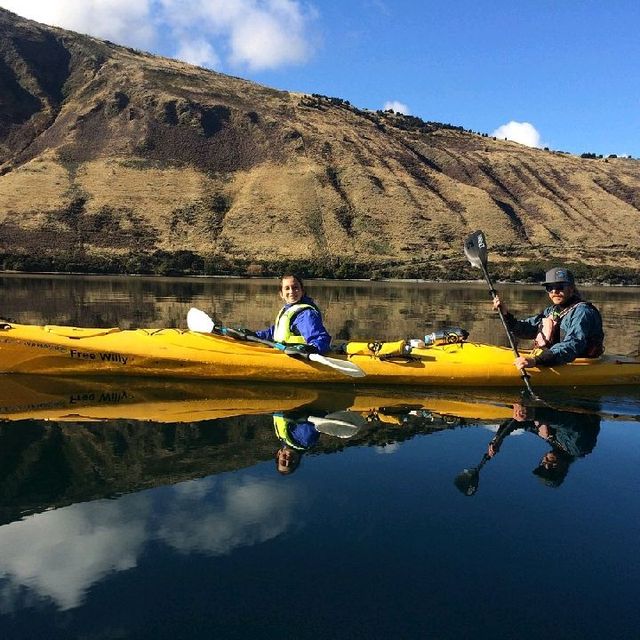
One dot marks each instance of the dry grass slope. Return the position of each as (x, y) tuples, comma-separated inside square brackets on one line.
[(116, 160)]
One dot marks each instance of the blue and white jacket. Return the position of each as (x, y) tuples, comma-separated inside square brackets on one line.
[(306, 323)]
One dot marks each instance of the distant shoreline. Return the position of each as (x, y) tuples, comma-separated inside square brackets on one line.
[(631, 282)]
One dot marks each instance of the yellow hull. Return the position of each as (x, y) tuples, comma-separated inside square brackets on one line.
[(72, 399), (175, 353)]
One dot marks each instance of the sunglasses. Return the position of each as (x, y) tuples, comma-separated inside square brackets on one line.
[(558, 286)]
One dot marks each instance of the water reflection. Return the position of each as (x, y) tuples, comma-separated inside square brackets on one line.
[(60, 554), (63, 440), (297, 432), (67, 439), (358, 310), (189, 469), (570, 435)]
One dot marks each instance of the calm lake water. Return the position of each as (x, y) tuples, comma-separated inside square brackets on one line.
[(153, 509)]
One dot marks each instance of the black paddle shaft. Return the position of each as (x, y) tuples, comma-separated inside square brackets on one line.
[(493, 293), (240, 334), (475, 248)]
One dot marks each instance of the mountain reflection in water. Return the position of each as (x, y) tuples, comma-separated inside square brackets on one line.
[(98, 478)]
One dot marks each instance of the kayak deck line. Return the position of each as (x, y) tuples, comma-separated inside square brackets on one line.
[(179, 353)]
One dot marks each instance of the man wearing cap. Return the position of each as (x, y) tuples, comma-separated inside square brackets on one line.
[(569, 328)]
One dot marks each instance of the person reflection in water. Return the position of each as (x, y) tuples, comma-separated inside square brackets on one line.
[(296, 436), (299, 432), (571, 436)]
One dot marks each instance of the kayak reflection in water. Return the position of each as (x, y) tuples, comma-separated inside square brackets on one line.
[(571, 436), (299, 433)]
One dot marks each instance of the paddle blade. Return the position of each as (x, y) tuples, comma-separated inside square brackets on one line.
[(343, 366), (340, 424), (199, 321), (475, 248), (467, 481)]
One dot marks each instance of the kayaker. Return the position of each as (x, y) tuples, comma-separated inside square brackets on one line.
[(298, 432), (569, 328), (571, 436), (299, 322), (295, 436)]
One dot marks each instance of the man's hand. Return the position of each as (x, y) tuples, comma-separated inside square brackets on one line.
[(498, 305), (520, 412), (492, 449), (522, 362)]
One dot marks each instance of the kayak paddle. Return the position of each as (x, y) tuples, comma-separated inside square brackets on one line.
[(339, 424), (200, 322), (475, 248), (467, 481)]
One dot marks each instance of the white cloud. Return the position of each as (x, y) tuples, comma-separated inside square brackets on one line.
[(60, 554), (246, 512), (494, 429), (198, 52), (387, 449), (522, 132), (268, 39), (256, 34), (122, 21), (396, 106)]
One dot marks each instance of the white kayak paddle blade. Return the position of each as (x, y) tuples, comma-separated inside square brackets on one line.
[(199, 321), (343, 366), (336, 426)]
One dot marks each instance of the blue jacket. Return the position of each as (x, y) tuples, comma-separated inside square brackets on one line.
[(580, 329), (308, 324), (575, 434), (304, 433)]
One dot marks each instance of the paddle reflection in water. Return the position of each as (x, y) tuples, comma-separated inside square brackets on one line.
[(298, 432), (109, 485), (571, 435)]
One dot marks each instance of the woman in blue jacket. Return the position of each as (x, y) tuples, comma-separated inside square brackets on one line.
[(299, 322)]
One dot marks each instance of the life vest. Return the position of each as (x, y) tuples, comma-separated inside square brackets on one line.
[(282, 325), (281, 427), (549, 332)]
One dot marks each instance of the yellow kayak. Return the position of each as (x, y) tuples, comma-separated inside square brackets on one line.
[(178, 353), (74, 399), (78, 399)]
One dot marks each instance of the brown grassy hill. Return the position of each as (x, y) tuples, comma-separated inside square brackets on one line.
[(116, 160)]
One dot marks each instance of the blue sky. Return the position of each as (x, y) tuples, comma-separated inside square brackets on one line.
[(558, 73)]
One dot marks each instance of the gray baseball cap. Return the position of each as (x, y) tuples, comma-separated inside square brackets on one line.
[(558, 274)]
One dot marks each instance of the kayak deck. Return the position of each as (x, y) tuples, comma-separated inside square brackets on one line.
[(178, 353)]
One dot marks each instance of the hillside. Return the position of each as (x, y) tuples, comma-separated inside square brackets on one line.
[(115, 160)]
